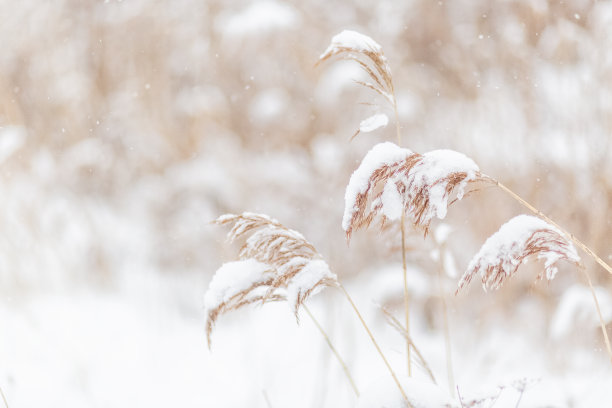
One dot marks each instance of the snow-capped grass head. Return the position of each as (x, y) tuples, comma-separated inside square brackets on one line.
[(237, 284), (368, 54), (392, 180), (275, 263), (519, 238)]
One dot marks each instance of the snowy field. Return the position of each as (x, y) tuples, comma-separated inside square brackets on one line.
[(128, 126)]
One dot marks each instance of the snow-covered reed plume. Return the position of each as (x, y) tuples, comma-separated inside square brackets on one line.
[(275, 263), (504, 251), (368, 54), (393, 180)]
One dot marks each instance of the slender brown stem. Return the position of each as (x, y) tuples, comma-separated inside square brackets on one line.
[(601, 321), (367, 329), (402, 330), (406, 295), (404, 268), (447, 339), (265, 395), (576, 241), (333, 349), (4, 398)]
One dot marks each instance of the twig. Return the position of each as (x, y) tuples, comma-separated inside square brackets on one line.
[(4, 398), (447, 339), (333, 349), (403, 229), (601, 321), (367, 329), (460, 399), (265, 395), (398, 326), (520, 397)]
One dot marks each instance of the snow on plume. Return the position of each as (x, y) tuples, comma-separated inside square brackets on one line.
[(237, 284), (420, 185), (309, 281), (382, 155), (276, 263), (353, 41), (505, 250), (233, 278), (432, 173), (368, 54)]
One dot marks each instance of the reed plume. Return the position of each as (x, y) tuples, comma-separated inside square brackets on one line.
[(275, 263), (392, 181), (521, 237)]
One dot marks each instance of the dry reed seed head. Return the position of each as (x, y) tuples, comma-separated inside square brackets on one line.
[(236, 284), (395, 180), (504, 251), (276, 263), (368, 54)]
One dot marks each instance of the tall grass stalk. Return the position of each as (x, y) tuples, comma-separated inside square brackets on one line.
[(334, 351), (382, 355), (404, 266), (4, 398), (447, 337)]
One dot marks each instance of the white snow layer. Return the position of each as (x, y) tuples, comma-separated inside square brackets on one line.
[(510, 241), (313, 272), (352, 40), (382, 154), (421, 394), (436, 166), (373, 122), (428, 176), (232, 278)]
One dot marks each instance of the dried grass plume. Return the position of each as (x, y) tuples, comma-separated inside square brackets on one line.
[(392, 180), (275, 263), (519, 238)]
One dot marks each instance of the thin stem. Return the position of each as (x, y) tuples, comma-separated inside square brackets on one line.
[(447, 339), (404, 268), (398, 326), (333, 349), (576, 241), (520, 398), (397, 123), (544, 216), (4, 398), (601, 321), (367, 329), (406, 295)]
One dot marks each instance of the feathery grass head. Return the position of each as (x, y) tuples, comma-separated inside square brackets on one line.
[(394, 180), (519, 238), (369, 55), (275, 263)]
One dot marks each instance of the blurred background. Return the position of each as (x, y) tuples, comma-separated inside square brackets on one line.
[(127, 126)]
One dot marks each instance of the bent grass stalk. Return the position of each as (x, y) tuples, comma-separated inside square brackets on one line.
[(576, 241), (402, 330), (382, 355), (447, 338), (334, 351), (4, 398)]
